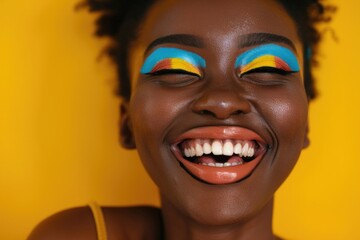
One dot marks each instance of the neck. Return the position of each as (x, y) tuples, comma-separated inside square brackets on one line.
[(180, 226)]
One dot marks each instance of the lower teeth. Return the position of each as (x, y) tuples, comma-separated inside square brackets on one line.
[(222, 164)]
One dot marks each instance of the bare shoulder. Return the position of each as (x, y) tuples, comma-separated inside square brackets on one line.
[(140, 222), (74, 223), (121, 223)]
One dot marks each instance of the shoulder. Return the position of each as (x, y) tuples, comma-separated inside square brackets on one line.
[(78, 223), (138, 222), (74, 223)]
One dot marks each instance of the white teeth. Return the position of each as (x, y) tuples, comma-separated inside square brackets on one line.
[(228, 148), (236, 163), (191, 152), (186, 152), (245, 150), (237, 148), (207, 147), (251, 152), (216, 147), (220, 165), (199, 150)]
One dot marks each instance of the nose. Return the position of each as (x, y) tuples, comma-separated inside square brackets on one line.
[(221, 103)]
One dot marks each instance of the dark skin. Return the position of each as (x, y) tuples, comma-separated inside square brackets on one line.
[(157, 114)]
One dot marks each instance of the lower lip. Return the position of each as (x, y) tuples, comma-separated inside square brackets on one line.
[(220, 175)]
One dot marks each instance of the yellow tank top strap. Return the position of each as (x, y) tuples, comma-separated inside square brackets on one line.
[(99, 220)]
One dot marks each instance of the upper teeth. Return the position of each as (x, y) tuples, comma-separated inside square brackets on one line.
[(219, 147)]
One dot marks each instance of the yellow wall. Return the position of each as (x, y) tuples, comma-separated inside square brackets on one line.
[(58, 128)]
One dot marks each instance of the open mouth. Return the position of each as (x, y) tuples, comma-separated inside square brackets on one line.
[(219, 153), (228, 158)]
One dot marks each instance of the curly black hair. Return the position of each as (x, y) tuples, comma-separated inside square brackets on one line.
[(119, 20)]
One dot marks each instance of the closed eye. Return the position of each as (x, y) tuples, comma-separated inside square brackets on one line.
[(173, 77), (172, 71), (271, 70)]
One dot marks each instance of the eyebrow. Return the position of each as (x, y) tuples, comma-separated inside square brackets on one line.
[(183, 39), (254, 39)]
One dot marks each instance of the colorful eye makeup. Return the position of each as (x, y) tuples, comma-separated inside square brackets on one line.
[(173, 59), (264, 56), (268, 55)]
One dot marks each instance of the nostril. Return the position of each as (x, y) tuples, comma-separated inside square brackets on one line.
[(206, 112), (237, 112), (221, 104), (220, 113)]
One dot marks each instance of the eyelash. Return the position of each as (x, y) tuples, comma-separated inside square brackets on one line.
[(173, 77), (272, 70), (172, 71)]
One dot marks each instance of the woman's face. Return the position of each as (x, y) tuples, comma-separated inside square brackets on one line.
[(218, 110)]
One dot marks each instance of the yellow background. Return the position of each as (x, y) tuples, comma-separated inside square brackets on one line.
[(59, 138)]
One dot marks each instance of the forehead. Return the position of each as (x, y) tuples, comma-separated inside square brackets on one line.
[(221, 24), (217, 20)]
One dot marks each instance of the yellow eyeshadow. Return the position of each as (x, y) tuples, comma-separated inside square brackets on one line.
[(264, 61), (177, 63)]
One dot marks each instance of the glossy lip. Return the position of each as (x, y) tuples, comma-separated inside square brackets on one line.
[(220, 175)]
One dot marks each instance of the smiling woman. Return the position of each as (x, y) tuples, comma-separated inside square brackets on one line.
[(221, 108), (216, 104)]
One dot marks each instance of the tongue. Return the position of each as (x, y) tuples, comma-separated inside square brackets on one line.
[(205, 159), (209, 159), (235, 159)]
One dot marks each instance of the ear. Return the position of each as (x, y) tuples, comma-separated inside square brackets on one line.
[(306, 137), (126, 131)]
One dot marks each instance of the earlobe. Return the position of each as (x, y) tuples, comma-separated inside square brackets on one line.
[(126, 132)]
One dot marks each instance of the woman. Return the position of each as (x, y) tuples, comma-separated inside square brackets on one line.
[(215, 100)]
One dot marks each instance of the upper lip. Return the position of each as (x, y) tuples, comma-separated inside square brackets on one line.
[(221, 133)]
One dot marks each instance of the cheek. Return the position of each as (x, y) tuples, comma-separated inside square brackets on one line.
[(286, 111), (289, 117), (153, 111)]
